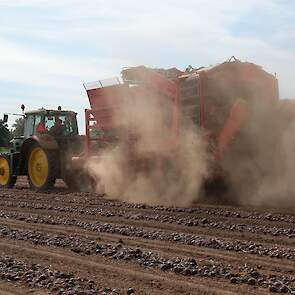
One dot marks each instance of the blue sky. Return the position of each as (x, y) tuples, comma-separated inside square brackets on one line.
[(49, 48)]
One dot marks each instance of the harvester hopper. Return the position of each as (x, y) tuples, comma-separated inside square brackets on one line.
[(114, 108)]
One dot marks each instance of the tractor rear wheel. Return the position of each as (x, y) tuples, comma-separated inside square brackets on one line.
[(7, 180), (41, 168)]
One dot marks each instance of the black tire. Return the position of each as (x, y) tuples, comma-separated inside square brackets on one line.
[(72, 182), (49, 178), (80, 182), (9, 180)]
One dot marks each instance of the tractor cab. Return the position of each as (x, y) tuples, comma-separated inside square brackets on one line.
[(57, 123)]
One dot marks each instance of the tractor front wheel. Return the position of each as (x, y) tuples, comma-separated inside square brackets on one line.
[(7, 180), (41, 168)]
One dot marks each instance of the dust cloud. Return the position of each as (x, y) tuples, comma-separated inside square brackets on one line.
[(159, 169), (160, 166), (260, 163)]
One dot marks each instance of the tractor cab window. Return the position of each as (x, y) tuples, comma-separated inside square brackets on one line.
[(49, 122), (68, 123), (38, 123), (29, 126), (61, 125)]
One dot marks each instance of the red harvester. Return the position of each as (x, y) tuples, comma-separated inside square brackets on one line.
[(216, 99)]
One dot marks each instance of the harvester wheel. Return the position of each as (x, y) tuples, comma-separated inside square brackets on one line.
[(7, 180), (41, 168)]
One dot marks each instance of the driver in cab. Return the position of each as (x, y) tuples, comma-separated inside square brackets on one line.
[(57, 129)]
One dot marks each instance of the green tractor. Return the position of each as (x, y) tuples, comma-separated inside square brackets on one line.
[(44, 150)]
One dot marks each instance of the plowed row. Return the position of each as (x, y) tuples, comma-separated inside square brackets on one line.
[(80, 243)]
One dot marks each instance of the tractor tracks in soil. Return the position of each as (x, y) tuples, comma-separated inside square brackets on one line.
[(265, 231), (106, 247)]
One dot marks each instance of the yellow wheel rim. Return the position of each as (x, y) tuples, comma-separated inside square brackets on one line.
[(38, 167), (4, 171)]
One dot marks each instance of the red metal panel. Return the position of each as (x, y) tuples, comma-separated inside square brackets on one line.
[(236, 119), (103, 101), (107, 103)]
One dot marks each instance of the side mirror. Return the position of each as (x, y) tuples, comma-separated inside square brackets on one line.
[(5, 118)]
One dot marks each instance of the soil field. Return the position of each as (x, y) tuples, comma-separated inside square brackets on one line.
[(79, 243)]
